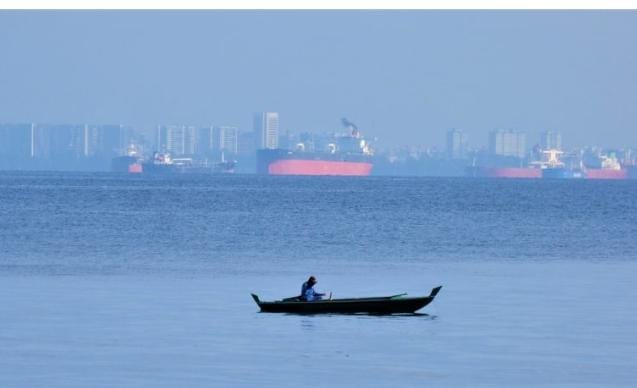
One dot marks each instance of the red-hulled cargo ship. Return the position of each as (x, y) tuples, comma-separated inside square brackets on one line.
[(348, 155), (285, 162), (609, 168), (606, 173)]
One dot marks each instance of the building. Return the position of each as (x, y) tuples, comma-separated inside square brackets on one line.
[(213, 140), (205, 141), (456, 144), (102, 141), (66, 141), (226, 139), (266, 129), (178, 140), (507, 143), (246, 143), (551, 140), (80, 147)]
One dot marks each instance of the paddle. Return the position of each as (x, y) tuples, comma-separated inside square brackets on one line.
[(397, 296)]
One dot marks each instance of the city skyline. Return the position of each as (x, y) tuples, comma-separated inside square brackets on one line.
[(184, 138), (90, 147)]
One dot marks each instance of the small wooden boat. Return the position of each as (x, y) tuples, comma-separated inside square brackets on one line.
[(396, 304)]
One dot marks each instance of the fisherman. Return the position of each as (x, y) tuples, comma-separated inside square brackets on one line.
[(307, 291)]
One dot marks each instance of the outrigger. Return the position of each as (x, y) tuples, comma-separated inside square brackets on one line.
[(395, 304)]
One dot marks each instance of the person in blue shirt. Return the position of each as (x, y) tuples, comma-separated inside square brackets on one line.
[(307, 291)]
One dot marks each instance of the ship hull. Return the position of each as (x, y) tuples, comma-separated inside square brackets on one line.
[(562, 173), (283, 162), (606, 173), (160, 169), (129, 164)]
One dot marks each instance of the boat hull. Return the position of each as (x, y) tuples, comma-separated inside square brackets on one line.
[(562, 173), (319, 167), (284, 162), (606, 173), (381, 305), (129, 164)]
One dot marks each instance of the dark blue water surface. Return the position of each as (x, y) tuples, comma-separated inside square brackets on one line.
[(115, 280)]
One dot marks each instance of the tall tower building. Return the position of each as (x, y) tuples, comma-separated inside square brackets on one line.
[(176, 139), (246, 143), (507, 143), (456, 144), (226, 138), (102, 140), (205, 141), (266, 129), (551, 140), (67, 141)]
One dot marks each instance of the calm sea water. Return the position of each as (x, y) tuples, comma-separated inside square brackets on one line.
[(110, 280)]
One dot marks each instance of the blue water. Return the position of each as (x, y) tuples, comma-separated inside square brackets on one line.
[(112, 280)]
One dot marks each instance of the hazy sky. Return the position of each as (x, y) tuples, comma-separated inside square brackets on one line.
[(404, 77)]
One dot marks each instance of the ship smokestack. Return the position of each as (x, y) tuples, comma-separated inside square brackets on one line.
[(353, 128)]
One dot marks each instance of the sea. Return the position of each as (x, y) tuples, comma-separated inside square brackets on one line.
[(110, 280)]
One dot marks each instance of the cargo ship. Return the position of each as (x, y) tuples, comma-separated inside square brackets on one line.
[(163, 163), (347, 155), (130, 163), (606, 173), (285, 162), (553, 168), (606, 167)]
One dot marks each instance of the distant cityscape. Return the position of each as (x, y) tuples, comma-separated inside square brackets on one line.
[(507, 153)]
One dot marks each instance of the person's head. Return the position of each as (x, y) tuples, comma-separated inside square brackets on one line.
[(311, 281)]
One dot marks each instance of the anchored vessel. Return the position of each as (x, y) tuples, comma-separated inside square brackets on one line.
[(345, 155), (163, 163), (396, 304), (551, 167)]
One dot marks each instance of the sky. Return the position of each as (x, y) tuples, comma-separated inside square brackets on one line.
[(404, 77)]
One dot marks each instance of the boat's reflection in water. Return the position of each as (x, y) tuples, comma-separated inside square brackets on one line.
[(310, 322), (360, 315)]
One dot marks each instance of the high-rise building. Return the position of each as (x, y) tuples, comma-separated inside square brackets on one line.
[(507, 143), (551, 140), (205, 141), (456, 144), (40, 142), (212, 140), (266, 128), (103, 141), (67, 141), (246, 143), (226, 138), (179, 140)]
